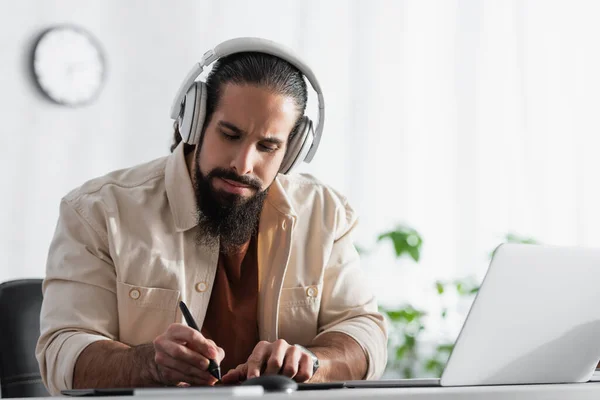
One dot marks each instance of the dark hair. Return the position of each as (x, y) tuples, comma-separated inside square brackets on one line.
[(257, 69)]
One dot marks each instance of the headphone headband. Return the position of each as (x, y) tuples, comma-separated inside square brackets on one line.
[(250, 44)]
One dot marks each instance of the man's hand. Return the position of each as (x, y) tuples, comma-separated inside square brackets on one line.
[(182, 355), (178, 356), (341, 358), (277, 358)]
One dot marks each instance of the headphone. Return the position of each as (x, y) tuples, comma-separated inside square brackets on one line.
[(189, 106)]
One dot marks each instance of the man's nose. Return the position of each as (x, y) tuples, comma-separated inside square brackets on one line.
[(243, 161)]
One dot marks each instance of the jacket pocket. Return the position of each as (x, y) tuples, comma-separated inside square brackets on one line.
[(144, 312), (299, 313)]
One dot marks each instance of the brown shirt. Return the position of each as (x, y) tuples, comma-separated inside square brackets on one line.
[(231, 319)]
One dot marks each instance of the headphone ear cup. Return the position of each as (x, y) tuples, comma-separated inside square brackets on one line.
[(298, 146), (191, 119)]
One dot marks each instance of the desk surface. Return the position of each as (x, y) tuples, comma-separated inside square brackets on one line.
[(567, 391), (579, 391)]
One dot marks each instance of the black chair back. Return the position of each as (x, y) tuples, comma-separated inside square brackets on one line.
[(20, 304)]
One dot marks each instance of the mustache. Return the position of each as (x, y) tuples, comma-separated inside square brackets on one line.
[(232, 176)]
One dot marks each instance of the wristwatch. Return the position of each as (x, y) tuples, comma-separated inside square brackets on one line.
[(312, 355)]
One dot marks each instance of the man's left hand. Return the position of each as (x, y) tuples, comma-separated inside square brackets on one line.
[(276, 358)]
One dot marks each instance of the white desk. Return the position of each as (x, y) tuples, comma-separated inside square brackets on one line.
[(538, 392), (580, 391)]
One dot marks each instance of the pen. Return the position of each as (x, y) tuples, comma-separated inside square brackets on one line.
[(213, 368)]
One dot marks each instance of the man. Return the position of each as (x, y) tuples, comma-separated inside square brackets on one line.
[(265, 261)]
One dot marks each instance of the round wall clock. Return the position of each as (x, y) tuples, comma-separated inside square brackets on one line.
[(68, 65)]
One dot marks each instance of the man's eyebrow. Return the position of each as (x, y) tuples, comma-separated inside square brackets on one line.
[(232, 127), (238, 131), (272, 140)]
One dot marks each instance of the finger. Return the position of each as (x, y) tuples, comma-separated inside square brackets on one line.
[(231, 377), (174, 377), (194, 340), (163, 360), (257, 359), (220, 352), (305, 368), (275, 360), (221, 355), (182, 332), (291, 361), (181, 353), (236, 375)]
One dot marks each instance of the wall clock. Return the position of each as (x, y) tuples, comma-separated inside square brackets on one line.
[(68, 65)]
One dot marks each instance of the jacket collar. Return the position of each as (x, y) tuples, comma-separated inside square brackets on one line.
[(180, 191), (279, 200)]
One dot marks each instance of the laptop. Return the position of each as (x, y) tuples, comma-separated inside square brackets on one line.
[(534, 320)]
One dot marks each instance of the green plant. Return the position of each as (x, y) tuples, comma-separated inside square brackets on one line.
[(406, 348), (407, 325), (406, 240)]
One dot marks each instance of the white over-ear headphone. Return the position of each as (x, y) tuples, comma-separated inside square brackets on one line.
[(189, 106)]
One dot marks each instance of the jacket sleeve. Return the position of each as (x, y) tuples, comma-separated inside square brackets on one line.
[(347, 304), (80, 305)]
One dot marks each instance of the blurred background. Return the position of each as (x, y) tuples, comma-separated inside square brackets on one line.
[(452, 126)]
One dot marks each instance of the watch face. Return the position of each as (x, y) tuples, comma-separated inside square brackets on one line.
[(68, 65)]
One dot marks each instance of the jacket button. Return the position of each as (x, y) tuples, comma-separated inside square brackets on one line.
[(312, 291), (283, 224), (134, 294), (201, 287)]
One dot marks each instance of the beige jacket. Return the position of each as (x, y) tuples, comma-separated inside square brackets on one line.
[(124, 254)]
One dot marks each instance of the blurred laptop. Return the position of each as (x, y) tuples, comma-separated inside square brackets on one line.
[(534, 320)]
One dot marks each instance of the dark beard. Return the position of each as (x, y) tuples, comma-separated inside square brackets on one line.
[(229, 217)]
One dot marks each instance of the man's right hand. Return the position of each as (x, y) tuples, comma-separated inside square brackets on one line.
[(182, 355)]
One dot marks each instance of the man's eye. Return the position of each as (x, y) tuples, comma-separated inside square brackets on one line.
[(267, 149), (229, 136)]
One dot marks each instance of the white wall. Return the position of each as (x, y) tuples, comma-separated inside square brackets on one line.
[(466, 119), (150, 45)]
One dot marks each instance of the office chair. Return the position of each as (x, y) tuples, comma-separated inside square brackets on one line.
[(20, 303)]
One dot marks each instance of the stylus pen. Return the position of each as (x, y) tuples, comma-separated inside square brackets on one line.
[(213, 367)]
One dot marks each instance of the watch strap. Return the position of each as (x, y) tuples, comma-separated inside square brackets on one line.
[(312, 355)]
